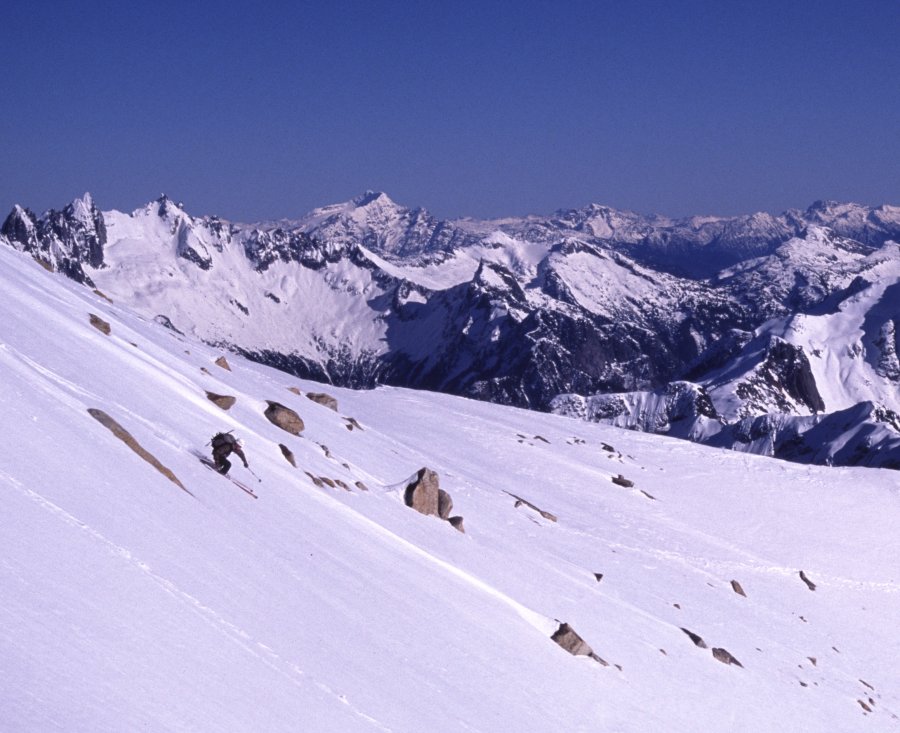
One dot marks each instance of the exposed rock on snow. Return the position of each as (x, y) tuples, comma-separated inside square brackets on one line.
[(569, 640), (66, 240), (566, 637), (223, 362), (784, 379), (445, 504), (101, 325), (524, 502), (284, 417), (423, 492), (736, 587), (166, 322), (724, 656), (696, 638), (226, 402), (809, 583), (323, 399), (620, 480), (126, 437), (888, 364), (288, 454)]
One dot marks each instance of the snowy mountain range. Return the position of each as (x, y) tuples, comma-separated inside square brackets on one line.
[(768, 334), (589, 578)]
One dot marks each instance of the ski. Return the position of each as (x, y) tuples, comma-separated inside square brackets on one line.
[(212, 467)]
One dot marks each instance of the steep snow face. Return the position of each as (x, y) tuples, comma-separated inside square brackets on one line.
[(217, 294), (845, 342), (131, 604)]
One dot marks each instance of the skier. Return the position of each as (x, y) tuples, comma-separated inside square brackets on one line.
[(223, 444)]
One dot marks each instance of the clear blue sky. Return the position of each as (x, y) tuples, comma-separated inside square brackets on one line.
[(466, 108)]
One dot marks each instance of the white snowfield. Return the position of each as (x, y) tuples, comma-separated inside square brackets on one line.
[(129, 604)]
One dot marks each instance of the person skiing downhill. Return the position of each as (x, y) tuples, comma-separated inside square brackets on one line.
[(223, 444)]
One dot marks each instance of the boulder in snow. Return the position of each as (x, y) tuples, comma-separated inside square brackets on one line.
[(223, 362), (323, 399), (569, 640), (445, 504), (423, 492), (696, 638), (284, 417), (226, 402), (101, 325), (726, 657), (288, 454)]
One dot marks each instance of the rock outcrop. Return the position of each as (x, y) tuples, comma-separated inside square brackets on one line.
[(809, 583), (445, 504), (223, 362), (424, 494), (524, 502), (288, 454), (226, 402), (569, 640), (323, 399), (126, 437), (726, 657), (696, 638), (101, 325), (284, 417)]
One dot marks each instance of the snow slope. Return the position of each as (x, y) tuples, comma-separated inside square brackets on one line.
[(130, 604)]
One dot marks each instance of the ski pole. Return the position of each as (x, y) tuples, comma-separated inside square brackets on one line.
[(251, 471)]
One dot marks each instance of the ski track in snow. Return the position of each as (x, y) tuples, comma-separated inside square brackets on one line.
[(236, 635)]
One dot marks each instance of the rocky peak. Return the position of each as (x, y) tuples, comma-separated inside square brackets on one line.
[(377, 199), (168, 209), (497, 280), (20, 228), (64, 240)]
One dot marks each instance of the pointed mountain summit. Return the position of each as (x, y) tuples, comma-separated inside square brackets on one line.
[(375, 221)]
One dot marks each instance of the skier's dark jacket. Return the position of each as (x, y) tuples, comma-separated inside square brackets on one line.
[(223, 444)]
